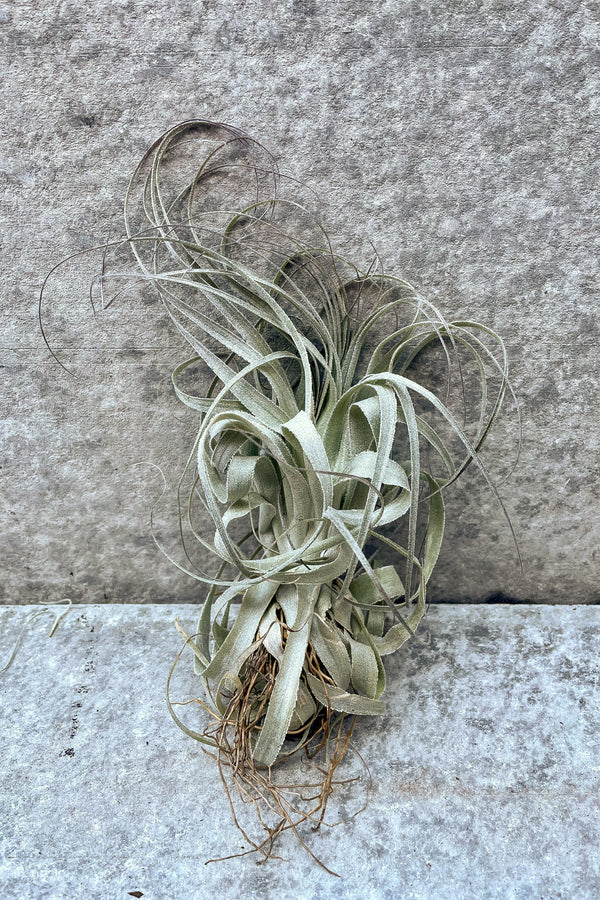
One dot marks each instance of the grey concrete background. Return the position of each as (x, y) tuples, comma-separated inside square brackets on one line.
[(459, 138), (484, 772)]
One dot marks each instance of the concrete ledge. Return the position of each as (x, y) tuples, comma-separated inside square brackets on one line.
[(485, 772)]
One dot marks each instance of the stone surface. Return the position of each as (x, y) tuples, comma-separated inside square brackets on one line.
[(459, 139), (484, 775)]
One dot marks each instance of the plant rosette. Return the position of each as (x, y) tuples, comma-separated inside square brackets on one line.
[(317, 474)]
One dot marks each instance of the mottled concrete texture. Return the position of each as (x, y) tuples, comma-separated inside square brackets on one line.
[(484, 773), (460, 139)]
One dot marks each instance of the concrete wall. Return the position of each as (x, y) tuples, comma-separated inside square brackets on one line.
[(459, 138)]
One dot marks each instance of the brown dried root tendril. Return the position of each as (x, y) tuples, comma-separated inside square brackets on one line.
[(279, 806)]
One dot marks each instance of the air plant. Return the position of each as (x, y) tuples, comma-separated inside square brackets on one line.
[(317, 474)]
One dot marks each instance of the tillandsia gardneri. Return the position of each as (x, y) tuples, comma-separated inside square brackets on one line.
[(318, 463)]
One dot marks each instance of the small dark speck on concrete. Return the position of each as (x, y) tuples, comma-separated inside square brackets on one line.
[(135, 893), (482, 724), (68, 752), (88, 121)]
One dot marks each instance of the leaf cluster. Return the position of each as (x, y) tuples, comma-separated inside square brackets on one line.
[(318, 445)]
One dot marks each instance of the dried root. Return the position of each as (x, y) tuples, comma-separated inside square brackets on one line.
[(279, 806)]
